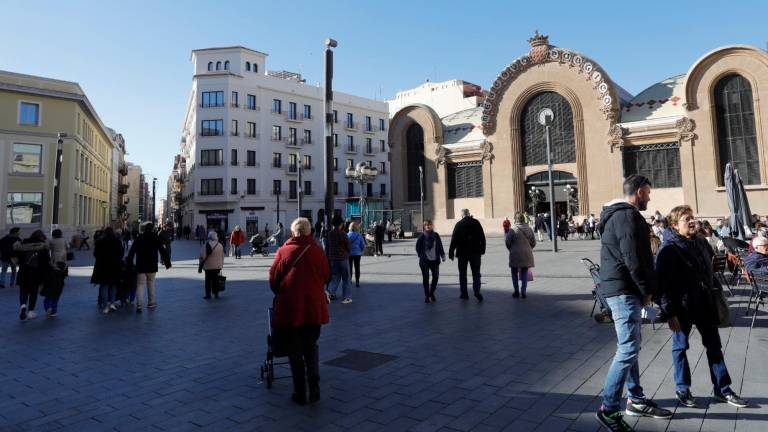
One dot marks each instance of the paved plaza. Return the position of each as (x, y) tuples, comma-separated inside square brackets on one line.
[(502, 365)]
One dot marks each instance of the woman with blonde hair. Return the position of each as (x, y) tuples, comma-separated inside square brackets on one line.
[(297, 277), (686, 282)]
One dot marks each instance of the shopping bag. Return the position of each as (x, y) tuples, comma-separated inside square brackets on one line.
[(221, 283), (530, 275)]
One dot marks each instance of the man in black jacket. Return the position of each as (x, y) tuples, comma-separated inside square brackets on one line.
[(468, 243), (145, 249), (7, 255), (627, 283)]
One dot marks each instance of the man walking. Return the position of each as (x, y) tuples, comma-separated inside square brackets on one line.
[(628, 281), (146, 248), (7, 255), (468, 243), (378, 238), (338, 254)]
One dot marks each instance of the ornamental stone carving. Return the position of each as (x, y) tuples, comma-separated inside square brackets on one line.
[(487, 149), (542, 52), (685, 127), (440, 154), (616, 136)]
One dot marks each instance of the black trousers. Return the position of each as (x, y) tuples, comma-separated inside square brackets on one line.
[(211, 277), (354, 267), (474, 265), (379, 244), (303, 354), (28, 292), (426, 268)]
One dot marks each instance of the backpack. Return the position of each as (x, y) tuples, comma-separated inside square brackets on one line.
[(33, 261)]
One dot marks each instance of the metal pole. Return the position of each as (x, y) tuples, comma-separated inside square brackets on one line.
[(552, 215), (154, 188), (298, 197), (56, 180), (421, 193), (277, 198), (329, 43)]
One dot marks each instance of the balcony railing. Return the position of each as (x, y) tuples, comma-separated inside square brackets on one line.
[(123, 169), (252, 108), (292, 169), (350, 148), (253, 165), (369, 150), (277, 139), (306, 140), (369, 128), (212, 105), (234, 105), (122, 188), (351, 125), (293, 142), (253, 136)]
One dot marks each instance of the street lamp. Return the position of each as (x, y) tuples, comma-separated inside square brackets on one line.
[(546, 117), (299, 191), (362, 174), (534, 194), (154, 189), (329, 44), (421, 192), (568, 194), (57, 180)]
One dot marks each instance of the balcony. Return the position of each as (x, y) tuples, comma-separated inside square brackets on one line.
[(277, 139), (123, 169), (306, 141), (369, 150), (253, 165), (292, 169), (369, 129), (252, 108), (234, 104), (275, 112), (253, 136), (294, 117), (212, 105), (293, 142), (122, 188), (350, 149), (351, 126)]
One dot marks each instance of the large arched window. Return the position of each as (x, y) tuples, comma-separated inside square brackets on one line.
[(226, 65), (210, 66), (218, 65), (736, 137), (414, 138), (561, 133), (248, 66)]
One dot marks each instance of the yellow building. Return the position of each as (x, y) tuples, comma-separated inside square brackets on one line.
[(33, 111)]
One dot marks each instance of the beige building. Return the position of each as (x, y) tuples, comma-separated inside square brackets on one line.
[(680, 132), (33, 110)]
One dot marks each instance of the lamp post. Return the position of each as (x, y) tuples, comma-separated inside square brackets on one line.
[(534, 194), (421, 193), (362, 174), (299, 190), (154, 189), (329, 44), (56, 180), (546, 117), (277, 193)]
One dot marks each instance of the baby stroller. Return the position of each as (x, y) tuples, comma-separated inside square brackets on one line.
[(259, 245), (275, 348), (604, 316)]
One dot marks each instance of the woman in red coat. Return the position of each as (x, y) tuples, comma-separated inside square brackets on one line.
[(236, 239), (297, 277)]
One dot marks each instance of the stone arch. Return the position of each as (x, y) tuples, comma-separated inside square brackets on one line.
[(700, 82), (434, 174)]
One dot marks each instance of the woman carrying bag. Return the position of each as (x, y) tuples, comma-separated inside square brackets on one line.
[(520, 242), (211, 261), (297, 277), (687, 291), (429, 248)]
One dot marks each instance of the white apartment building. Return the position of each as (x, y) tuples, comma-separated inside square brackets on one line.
[(247, 133)]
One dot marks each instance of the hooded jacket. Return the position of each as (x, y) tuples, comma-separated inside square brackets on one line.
[(626, 261), (685, 271)]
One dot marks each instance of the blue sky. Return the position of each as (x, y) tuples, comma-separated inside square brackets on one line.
[(132, 58)]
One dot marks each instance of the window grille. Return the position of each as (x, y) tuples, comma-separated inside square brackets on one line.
[(561, 132), (737, 140), (465, 179), (659, 162), (415, 159)]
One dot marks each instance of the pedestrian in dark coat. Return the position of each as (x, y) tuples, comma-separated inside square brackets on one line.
[(684, 266), (520, 243), (145, 251), (429, 248), (297, 277), (468, 244), (8, 257), (34, 263), (378, 238), (107, 268)]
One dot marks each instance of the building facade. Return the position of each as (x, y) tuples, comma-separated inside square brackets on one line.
[(253, 141), (33, 111), (679, 132)]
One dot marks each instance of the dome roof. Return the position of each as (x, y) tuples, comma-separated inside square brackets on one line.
[(663, 99)]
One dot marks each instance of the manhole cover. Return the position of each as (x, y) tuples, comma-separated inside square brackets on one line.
[(361, 361)]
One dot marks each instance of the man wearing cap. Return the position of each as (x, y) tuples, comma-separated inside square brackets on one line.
[(758, 260)]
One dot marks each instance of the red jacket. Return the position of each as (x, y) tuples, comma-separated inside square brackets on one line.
[(237, 238), (300, 292)]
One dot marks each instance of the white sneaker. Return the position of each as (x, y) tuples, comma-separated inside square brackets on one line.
[(112, 307), (31, 315), (23, 312), (105, 310), (346, 301)]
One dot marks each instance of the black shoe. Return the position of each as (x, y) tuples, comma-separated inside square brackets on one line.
[(479, 297), (215, 296), (432, 297), (686, 398), (732, 399), (523, 295), (613, 421), (464, 296), (332, 296), (427, 300), (516, 294), (357, 284), (314, 395), (299, 399), (646, 408)]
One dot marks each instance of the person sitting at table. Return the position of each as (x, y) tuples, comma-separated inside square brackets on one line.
[(758, 260)]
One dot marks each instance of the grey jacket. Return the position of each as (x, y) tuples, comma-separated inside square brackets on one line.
[(520, 242)]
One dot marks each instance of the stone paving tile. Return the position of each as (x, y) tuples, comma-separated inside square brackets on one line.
[(503, 364)]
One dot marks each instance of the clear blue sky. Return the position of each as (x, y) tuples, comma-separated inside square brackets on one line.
[(132, 58)]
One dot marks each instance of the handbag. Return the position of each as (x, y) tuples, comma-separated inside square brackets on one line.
[(221, 283), (70, 255), (530, 275)]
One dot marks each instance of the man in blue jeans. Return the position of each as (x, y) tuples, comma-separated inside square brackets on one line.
[(627, 283), (338, 255)]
